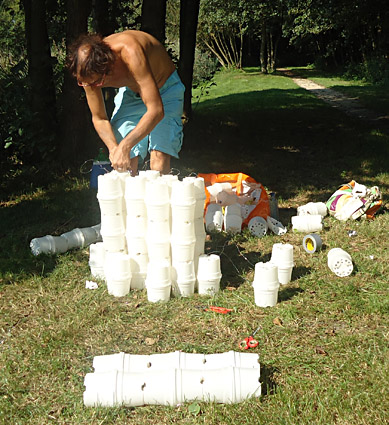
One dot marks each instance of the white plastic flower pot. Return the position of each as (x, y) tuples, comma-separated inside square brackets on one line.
[(158, 271), (265, 274), (199, 209), (135, 208), (182, 250), (282, 255), (183, 230), (100, 389), (234, 209), (157, 192), (214, 218), (158, 230), (138, 263), (158, 212), (114, 243), (138, 280), (97, 260), (340, 262), (275, 226), (136, 246), (109, 186), (199, 227), (184, 288), (183, 270), (112, 224), (313, 208), (135, 188), (152, 175), (119, 286), (265, 297), (117, 264), (136, 227), (208, 286), (307, 223), (246, 210), (75, 238), (183, 193), (258, 226), (232, 223), (159, 293), (284, 274), (209, 265), (183, 212), (199, 248), (158, 250)]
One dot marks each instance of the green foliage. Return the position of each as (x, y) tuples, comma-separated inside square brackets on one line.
[(374, 70)]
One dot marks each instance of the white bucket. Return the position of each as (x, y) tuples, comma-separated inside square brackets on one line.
[(340, 262), (307, 223), (258, 226), (160, 293), (136, 227), (209, 265)]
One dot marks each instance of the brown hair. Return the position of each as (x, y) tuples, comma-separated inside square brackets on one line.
[(98, 57)]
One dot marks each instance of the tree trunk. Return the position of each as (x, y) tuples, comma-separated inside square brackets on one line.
[(153, 18), (262, 57), (189, 12), (40, 72), (78, 138)]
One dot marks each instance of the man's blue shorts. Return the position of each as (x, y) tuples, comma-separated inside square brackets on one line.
[(167, 134)]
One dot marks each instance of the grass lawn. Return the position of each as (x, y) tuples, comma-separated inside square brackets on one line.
[(323, 348)]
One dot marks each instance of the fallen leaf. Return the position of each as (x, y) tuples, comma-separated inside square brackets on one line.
[(150, 341), (231, 288), (321, 351), (277, 321)]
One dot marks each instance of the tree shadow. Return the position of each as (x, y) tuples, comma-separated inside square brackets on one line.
[(288, 293)]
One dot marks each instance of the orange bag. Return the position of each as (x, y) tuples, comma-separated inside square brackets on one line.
[(236, 180)]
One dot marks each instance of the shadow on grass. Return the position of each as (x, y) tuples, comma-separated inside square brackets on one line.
[(268, 384), (286, 294)]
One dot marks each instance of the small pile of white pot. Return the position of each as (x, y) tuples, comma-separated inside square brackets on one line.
[(269, 276), (172, 378), (153, 234)]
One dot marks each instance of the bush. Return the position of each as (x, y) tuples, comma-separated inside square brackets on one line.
[(374, 70)]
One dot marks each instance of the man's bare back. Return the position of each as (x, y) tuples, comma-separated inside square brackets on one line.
[(135, 45)]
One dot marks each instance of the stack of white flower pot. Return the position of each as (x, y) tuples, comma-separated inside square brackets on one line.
[(233, 218), (168, 379), (265, 284), (155, 224), (282, 257)]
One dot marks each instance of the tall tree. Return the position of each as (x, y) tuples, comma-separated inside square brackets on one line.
[(78, 139), (40, 70), (153, 18), (189, 12)]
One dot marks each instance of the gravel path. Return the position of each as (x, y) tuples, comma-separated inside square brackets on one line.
[(346, 104)]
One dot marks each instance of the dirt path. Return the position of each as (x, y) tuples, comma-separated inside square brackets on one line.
[(346, 104)]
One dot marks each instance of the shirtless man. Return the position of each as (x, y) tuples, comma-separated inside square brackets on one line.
[(149, 102)]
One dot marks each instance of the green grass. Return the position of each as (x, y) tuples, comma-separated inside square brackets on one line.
[(324, 360)]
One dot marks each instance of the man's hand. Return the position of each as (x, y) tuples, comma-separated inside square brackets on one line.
[(120, 158)]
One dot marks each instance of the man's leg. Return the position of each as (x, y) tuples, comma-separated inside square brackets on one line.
[(160, 161)]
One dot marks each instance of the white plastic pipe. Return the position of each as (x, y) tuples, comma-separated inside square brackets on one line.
[(171, 386)]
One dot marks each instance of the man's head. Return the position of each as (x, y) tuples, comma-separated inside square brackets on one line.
[(89, 56)]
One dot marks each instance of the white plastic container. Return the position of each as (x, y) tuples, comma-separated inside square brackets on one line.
[(138, 280), (158, 212), (183, 212), (265, 284), (214, 218), (139, 263), (118, 274), (307, 223), (275, 226), (152, 175), (135, 188), (158, 230), (49, 245), (112, 224), (183, 230), (232, 223), (97, 260), (158, 281), (136, 246), (258, 226), (136, 227), (114, 242), (157, 192), (158, 249), (283, 258), (340, 262), (90, 235), (246, 210), (111, 206), (313, 208), (182, 250), (208, 274), (136, 208), (183, 193), (109, 186)]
